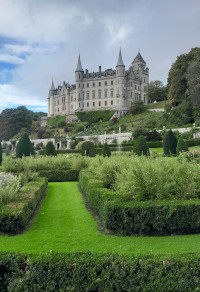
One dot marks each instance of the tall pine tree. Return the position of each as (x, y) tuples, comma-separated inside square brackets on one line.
[(169, 143)]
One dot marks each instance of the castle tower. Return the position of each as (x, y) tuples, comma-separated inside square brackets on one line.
[(50, 98), (79, 84), (140, 69), (120, 80)]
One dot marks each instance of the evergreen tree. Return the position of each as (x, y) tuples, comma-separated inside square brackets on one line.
[(0, 153), (140, 146), (169, 143), (181, 146), (87, 149), (50, 149), (24, 147), (106, 150)]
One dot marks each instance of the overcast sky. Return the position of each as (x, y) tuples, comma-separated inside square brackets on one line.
[(41, 40)]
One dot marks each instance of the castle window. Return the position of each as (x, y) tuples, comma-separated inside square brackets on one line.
[(88, 95), (72, 106), (93, 84), (79, 95), (99, 103), (87, 104), (58, 110), (131, 94), (135, 87), (105, 102), (93, 94), (111, 102), (83, 85), (83, 95), (105, 93), (144, 80), (131, 84), (79, 77), (79, 85), (83, 104), (87, 84), (58, 101), (79, 104), (93, 104), (111, 93), (111, 82), (99, 83), (99, 94), (105, 83), (138, 87), (71, 98)]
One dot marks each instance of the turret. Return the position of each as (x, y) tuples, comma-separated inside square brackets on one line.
[(52, 92), (120, 75), (79, 78)]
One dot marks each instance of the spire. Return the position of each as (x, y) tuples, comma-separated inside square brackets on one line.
[(79, 66), (120, 61), (52, 85)]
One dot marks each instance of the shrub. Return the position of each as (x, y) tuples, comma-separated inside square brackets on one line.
[(153, 136), (40, 134), (58, 175), (140, 146), (137, 107), (61, 124), (16, 215), (95, 116), (50, 149), (157, 144), (139, 132), (169, 143), (24, 147), (87, 149), (181, 146), (106, 150)]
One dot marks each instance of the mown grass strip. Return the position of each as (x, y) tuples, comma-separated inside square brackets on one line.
[(63, 224)]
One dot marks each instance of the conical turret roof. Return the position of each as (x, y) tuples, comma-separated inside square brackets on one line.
[(120, 61), (79, 66), (52, 85)]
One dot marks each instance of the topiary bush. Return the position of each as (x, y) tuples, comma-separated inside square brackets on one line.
[(181, 146), (140, 146), (24, 147), (87, 149), (50, 149), (106, 150), (169, 143)]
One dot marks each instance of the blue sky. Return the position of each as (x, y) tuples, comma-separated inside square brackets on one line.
[(41, 40)]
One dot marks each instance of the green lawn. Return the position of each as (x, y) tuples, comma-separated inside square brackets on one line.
[(63, 224)]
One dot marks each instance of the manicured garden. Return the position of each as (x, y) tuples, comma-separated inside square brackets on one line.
[(63, 224)]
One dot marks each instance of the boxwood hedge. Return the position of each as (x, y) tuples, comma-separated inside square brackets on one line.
[(15, 216), (97, 272), (145, 218)]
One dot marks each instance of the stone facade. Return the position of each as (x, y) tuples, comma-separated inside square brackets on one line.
[(102, 90)]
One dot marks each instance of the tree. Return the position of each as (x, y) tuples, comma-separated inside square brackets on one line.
[(140, 146), (24, 147), (106, 150), (193, 81), (178, 78), (181, 146), (137, 107), (50, 149), (155, 90), (169, 143), (87, 149), (1, 153)]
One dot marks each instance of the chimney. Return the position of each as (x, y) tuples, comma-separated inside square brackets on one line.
[(86, 71), (99, 68)]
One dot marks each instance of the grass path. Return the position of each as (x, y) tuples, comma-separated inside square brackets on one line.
[(63, 224)]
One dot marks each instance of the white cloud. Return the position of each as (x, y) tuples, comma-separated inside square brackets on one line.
[(11, 94), (6, 58)]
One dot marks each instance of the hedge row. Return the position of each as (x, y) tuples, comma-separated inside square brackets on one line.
[(94, 116), (60, 175), (15, 216), (144, 218), (193, 142), (92, 272)]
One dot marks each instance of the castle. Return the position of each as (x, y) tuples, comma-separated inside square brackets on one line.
[(102, 90)]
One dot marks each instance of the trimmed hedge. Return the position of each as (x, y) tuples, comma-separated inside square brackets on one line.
[(193, 142), (144, 218), (61, 151), (15, 215), (157, 144), (97, 272), (60, 175)]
